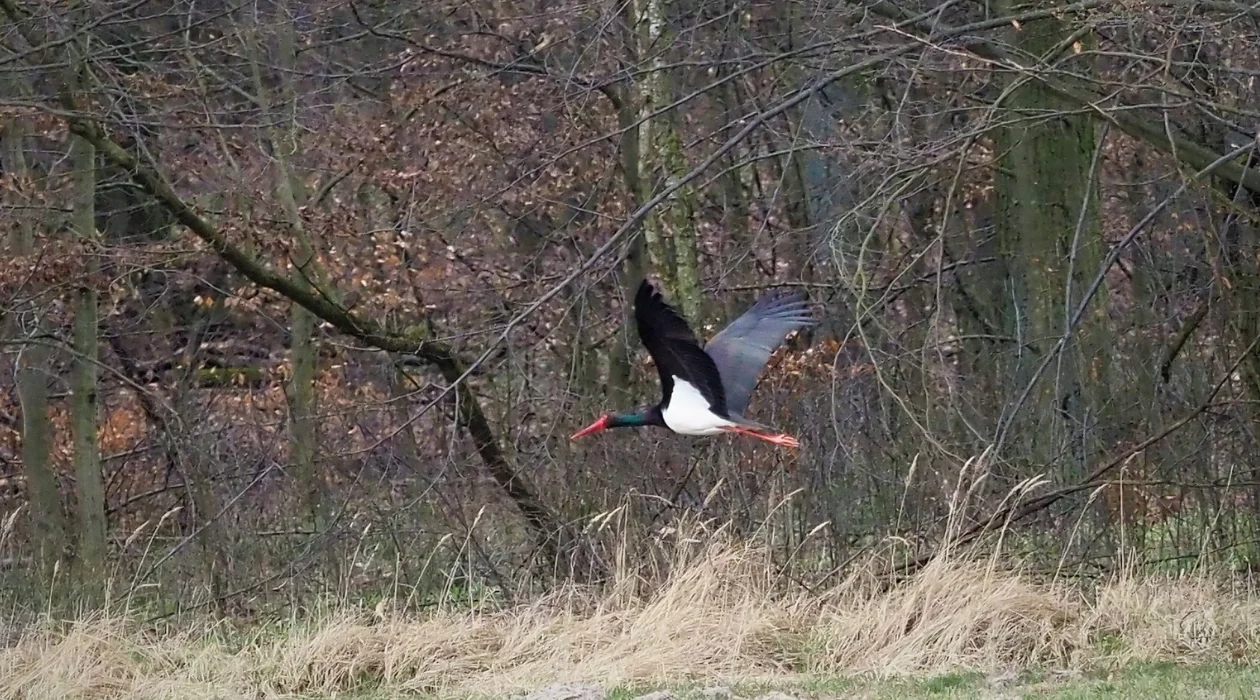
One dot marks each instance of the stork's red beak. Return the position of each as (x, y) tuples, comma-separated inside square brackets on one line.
[(595, 427)]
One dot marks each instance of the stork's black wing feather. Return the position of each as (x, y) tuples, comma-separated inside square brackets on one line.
[(742, 349), (674, 348)]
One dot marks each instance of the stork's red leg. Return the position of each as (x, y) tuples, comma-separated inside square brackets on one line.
[(780, 439)]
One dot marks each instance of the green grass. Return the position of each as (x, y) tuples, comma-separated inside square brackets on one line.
[(1153, 681), (1156, 681)]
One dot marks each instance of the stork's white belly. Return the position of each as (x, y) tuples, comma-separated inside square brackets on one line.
[(688, 412)]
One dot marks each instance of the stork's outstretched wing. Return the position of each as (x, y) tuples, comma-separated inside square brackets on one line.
[(742, 349)]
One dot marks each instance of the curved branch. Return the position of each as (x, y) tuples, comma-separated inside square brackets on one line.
[(546, 526), (438, 355)]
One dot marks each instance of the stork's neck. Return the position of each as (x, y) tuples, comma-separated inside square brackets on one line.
[(636, 419)]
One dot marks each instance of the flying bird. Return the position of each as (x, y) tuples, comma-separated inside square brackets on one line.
[(706, 389)]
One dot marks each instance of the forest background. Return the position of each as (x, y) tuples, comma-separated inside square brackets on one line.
[(301, 300)]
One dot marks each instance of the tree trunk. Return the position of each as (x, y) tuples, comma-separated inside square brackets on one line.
[(22, 237), (800, 217), (669, 231), (631, 272), (31, 377), (83, 405), (48, 515), (304, 349), (1053, 251)]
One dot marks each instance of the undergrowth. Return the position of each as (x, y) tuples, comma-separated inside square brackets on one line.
[(693, 604)]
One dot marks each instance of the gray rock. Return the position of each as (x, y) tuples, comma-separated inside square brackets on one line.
[(657, 695), (716, 692)]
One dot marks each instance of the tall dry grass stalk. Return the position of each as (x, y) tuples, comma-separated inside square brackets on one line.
[(694, 603)]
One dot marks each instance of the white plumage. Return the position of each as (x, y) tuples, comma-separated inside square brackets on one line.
[(688, 412)]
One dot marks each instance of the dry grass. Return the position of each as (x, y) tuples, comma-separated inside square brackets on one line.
[(691, 603), (717, 613)]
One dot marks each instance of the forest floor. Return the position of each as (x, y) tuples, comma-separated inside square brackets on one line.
[(717, 620)]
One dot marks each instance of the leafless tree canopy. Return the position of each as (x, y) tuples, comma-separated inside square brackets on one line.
[(308, 296)]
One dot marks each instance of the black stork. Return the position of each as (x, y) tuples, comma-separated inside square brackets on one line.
[(706, 389)]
